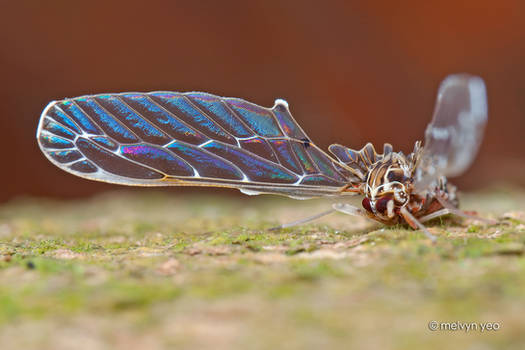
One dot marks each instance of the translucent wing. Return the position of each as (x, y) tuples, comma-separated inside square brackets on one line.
[(360, 161), (185, 139), (453, 137)]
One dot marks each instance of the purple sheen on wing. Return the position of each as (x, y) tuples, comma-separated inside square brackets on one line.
[(157, 158), (257, 118), (341, 153), (106, 121), (180, 107), (217, 110), (324, 164), (165, 120), (345, 172), (206, 164), (135, 122), (285, 154), (287, 123), (255, 168), (113, 163), (304, 158)]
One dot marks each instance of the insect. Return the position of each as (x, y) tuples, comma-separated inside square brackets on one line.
[(199, 139)]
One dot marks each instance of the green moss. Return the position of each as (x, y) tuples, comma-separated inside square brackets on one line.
[(314, 270), (179, 269), (44, 246), (473, 228)]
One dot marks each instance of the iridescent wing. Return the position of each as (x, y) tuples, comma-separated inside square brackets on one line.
[(360, 161), (453, 136), (188, 139)]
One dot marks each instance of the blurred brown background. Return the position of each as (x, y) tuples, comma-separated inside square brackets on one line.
[(352, 71)]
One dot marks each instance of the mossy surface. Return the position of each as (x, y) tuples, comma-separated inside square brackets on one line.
[(150, 269)]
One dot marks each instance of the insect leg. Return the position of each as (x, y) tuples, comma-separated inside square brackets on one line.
[(349, 209), (412, 221), (458, 212), (303, 221), (434, 215)]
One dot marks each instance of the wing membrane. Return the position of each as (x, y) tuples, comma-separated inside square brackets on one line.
[(188, 139), (361, 161), (453, 136)]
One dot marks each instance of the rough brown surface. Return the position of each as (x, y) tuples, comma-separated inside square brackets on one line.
[(148, 270)]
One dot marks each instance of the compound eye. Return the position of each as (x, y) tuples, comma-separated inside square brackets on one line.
[(381, 203), (366, 204)]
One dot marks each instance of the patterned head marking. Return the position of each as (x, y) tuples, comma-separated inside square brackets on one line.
[(386, 185)]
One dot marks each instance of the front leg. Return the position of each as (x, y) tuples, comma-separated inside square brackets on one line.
[(355, 211), (415, 224)]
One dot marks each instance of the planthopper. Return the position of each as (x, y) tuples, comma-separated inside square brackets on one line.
[(199, 139)]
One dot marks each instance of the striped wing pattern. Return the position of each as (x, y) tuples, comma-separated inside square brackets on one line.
[(197, 139)]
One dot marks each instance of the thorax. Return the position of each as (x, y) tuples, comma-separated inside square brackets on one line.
[(390, 186)]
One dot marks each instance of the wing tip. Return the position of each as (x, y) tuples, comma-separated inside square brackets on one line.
[(470, 80), (281, 102)]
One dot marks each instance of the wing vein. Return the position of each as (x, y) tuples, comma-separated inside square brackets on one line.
[(148, 97), (121, 100), (70, 118), (117, 120), (190, 102), (59, 123)]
